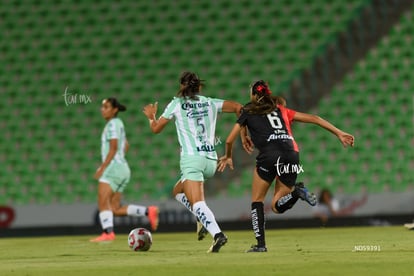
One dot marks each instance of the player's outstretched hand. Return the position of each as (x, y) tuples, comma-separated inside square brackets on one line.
[(150, 110), (223, 163), (247, 143), (346, 139)]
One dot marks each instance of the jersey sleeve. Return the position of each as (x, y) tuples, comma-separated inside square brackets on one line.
[(218, 104), (242, 120), (289, 112), (170, 109), (114, 130)]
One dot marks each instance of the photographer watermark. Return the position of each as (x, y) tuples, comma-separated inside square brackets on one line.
[(288, 168), (217, 141), (74, 98), (366, 248)]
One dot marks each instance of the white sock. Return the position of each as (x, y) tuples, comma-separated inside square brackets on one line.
[(180, 197), (136, 210), (107, 219), (206, 217)]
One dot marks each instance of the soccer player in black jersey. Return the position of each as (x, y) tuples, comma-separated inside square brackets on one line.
[(269, 121)]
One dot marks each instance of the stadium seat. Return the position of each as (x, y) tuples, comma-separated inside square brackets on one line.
[(124, 50)]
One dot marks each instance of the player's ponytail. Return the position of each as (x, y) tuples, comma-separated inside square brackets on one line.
[(116, 104), (190, 85), (262, 101)]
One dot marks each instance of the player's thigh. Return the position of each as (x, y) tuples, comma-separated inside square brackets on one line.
[(289, 174), (259, 187)]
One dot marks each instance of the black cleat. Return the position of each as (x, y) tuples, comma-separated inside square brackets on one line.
[(304, 194), (219, 240), (201, 231), (256, 248)]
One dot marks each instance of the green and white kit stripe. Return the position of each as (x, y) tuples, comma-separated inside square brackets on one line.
[(195, 122)]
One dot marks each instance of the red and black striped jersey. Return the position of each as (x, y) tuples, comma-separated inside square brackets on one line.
[(271, 131)]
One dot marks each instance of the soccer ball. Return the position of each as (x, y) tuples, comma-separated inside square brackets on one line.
[(140, 239)]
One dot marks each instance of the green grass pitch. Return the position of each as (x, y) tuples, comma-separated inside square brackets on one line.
[(323, 251)]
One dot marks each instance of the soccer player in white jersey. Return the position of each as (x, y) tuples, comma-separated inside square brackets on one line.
[(195, 120), (114, 174)]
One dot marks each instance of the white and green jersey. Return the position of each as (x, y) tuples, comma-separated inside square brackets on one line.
[(195, 121), (114, 129)]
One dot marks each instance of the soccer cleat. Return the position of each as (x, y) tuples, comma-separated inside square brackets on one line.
[(409, 226), (304, 194), (201, 231), (104, 237), (219, 240), (153, 217), (256, 248)]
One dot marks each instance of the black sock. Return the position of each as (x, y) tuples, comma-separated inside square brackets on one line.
[(216, 236), (286, 202), (108, 230), (258, 223), (295, 193)]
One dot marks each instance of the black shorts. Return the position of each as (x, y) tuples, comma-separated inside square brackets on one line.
[(281, 164)]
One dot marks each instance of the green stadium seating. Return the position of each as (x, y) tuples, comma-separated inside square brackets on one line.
[(380, 160), (122, 49)]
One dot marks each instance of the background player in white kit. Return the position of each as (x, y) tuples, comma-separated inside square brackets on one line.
[(195, 120), (114, 174)]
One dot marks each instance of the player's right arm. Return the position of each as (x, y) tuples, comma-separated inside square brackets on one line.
[(345, 138), (113, 147), (151, 112), (227, 159)]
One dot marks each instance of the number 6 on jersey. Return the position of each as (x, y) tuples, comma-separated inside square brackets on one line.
[(274, 120)]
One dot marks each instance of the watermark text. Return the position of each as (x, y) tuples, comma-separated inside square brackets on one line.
[(74, 98)]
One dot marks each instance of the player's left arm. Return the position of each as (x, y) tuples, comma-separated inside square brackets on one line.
[(113, 147), (156, 126), (345, 138), (246, 140), (227, 159)]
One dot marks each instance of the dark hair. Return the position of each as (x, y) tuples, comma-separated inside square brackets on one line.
[(322, 194), (279, 100), (116, 104), (263, 102), (190, 85)]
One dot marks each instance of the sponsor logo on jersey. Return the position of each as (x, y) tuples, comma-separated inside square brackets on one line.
[(187, 105), (206, 148), (279, 137), (197, 113)]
